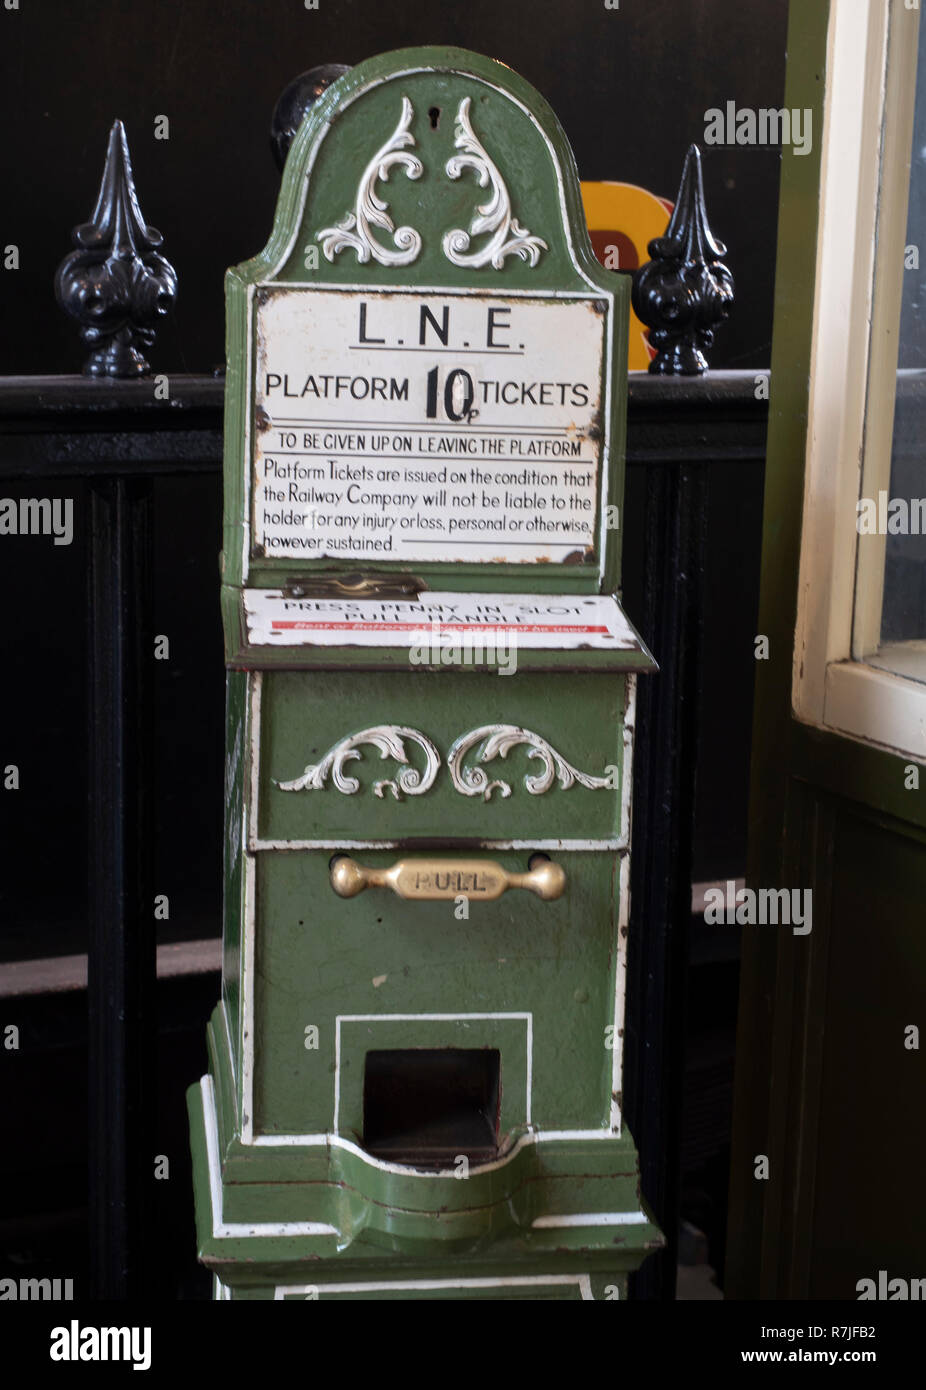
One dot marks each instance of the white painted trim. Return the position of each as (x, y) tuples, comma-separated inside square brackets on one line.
[(590, 1218), (623, 916), (232, 1059), (254, 697), (526, 1018), (338, 1141), (829, 689), (443, 291), (630, 715), (222, 1229), (239, 906), (899, 105), (839, 355), (246, 1004), (246, 460), (434, 291), (865, 702), (572, 846), (620, 989), (581, 1281)]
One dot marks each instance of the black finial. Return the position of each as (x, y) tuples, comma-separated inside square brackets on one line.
[(293, 103), (114, 284), (685, 291)]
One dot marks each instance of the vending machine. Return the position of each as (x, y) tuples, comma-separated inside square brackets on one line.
[(414, 1085)]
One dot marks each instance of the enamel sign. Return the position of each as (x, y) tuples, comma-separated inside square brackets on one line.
[(410, 427), (544, 622)]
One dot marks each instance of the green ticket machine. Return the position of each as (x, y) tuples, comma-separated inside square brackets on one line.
[(414, 1085)]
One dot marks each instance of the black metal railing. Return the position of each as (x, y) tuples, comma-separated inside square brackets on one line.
[(119, 435), (690, 441)]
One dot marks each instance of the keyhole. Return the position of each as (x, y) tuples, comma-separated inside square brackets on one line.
[(434, 117)]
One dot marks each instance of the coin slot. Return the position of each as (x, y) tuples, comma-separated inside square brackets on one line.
[(430, 1106)]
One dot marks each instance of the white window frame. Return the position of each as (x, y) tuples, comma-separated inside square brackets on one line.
[(853, 372)]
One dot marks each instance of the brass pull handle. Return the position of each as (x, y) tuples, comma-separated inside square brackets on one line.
[(433, 879)]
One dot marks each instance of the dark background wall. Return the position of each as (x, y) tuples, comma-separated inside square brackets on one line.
[(630, 86)]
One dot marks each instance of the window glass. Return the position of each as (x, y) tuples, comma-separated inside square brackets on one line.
[(902, 513)]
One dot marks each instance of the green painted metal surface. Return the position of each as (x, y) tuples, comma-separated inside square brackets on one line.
[(353, 750), (548, 963), (303, 718)]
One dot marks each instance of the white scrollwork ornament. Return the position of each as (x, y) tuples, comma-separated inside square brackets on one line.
[(508, 237), (389, 739), (498, 741), (370, 210)]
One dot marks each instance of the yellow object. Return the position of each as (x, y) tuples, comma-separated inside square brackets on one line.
[(622, 219)]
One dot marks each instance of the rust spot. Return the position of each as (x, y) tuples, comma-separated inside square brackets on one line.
[(262, 418), (575, 557), (263, 295), (258, 552), (600, 306)]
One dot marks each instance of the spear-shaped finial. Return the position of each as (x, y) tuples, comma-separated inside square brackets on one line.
[(685, 290), (115, 284)]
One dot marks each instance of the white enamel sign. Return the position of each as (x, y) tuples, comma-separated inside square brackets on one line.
[(545, 622), (426, 427)]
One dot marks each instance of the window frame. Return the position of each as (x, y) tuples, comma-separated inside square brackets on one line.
[(870, 97)]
